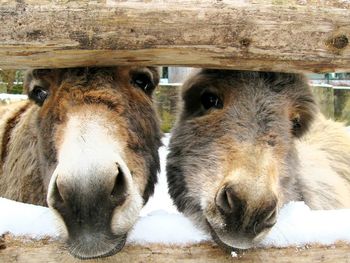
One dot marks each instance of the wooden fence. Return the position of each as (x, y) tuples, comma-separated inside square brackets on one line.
[(276, 35), (15, 250)]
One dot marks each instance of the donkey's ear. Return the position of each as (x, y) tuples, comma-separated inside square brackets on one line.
[(301, 104), (303, 107), (37, 84), (146, 79)]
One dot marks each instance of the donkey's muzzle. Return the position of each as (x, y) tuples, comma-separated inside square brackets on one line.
[(86, 204), (244, 215)]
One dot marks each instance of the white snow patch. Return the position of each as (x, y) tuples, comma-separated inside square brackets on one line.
[(163, 227), (160, 222), (299, 225), (26, 220), (234, 254)]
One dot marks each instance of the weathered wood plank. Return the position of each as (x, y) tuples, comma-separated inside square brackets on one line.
[(310, 35), (47, 251)]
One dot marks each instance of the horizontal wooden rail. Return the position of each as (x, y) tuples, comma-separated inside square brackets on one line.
[(14, 250), (293, 35)]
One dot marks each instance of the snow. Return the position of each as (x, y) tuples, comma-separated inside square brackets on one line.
[(169, 228), (160, 222), (234, 254), (298, 225), (26, 219)]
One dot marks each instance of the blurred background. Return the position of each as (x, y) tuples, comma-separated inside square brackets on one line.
[(331, 90)]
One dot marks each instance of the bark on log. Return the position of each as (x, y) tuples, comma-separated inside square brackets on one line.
[(295, 35), (47, 251)]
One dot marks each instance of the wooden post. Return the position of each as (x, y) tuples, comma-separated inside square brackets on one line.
[(167, 97), (251, 35), (324, 97), (342, 104)]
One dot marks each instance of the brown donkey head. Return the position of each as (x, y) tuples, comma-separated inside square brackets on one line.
[(98, 138), (232, 157)]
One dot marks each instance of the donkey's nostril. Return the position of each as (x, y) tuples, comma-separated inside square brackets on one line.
[(56, 197), (119, 191), (227, 200), (270, 219)]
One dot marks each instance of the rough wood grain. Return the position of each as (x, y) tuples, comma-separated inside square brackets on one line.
[(278, 35), (48, 251)]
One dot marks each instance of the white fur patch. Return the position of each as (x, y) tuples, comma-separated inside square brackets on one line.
[(90, 143), (60, 224), (125, 217)]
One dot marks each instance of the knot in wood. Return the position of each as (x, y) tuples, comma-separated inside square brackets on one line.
[(245, 42), (339, 42)]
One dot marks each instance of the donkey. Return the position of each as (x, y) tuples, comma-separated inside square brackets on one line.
[(85, 144), (245, 143)]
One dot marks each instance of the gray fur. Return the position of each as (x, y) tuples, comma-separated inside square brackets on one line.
[(265, 118)]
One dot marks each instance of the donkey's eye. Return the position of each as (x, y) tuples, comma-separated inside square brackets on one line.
[(211, 100), (39, 95), (143, 82)]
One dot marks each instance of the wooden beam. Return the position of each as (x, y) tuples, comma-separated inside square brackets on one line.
[(293, 35), (14, 250)]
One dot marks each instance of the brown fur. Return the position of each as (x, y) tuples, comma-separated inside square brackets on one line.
[(23, 131), (32, 134), (231, 167), (20, 179), (10, 124)]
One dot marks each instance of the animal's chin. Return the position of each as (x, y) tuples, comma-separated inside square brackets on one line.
[(84, 251), (230, 243)]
